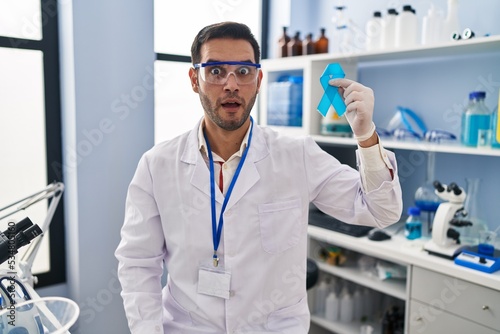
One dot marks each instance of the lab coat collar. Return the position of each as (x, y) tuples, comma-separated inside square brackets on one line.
[(249, 174)]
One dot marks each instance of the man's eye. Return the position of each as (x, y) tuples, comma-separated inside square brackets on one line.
[(215, 71), (244, 70)]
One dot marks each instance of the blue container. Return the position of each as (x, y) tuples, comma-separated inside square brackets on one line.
[(475, 117), (413, 225), (284, 104)]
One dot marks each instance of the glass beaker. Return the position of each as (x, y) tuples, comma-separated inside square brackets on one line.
[(470, 234), (425, 197)]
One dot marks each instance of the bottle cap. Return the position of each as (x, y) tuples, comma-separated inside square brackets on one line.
[(377, 14), (392, 11), (477, 95), (413, 211)]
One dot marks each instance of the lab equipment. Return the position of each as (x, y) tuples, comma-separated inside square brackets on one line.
[(413, 225), (321, 294), (445, 241), (283, 43), (425, 197), (373, 31), (52, 192), (432, 25), (16, 236), (472, 258), (295, 45), (332, 307), (308, 45), (470, 233), (389, 29), (346, 306), (285, 101), (451, 24), (495, 126), (406, 28), (476, 116), (321, 44)]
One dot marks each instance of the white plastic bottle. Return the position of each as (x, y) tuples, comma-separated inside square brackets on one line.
[(432, 25), (321, 293), (373, 31), (406, 28), (346, 306), (332, 307), (389, 29), (358, 304), (451, 24)]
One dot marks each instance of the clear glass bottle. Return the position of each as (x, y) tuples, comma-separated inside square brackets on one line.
[(413, 225), (476, 116), (469, 235), (321, 44), (283, 44), (425, 197)]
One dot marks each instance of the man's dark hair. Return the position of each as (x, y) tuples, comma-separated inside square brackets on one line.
[(230, 30)]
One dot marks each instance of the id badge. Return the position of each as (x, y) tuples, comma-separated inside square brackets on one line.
[(214, 281)]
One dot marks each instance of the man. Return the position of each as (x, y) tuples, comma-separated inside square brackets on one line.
[(225, 206)]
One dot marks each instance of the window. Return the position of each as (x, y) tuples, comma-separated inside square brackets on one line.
[(30, 123)]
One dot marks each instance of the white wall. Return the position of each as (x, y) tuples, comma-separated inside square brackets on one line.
[(107, 62)]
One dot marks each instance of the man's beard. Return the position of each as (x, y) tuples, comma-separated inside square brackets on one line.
[(228, 125)]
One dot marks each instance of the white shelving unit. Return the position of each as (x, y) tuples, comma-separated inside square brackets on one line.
[(311, 67)]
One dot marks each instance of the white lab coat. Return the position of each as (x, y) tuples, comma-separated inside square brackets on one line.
[(264, 240)]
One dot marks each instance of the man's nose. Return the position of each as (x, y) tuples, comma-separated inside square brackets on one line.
[(231, 83)]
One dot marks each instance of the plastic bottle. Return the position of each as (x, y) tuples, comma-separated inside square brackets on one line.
[(451, 24), (321, 293), (321, 44), (406, 31), (308, 47), (413, 225), (373, 30), (295, 45), (389, 29), (432, 25), (346, 306), (283, 44), (332, 307), (475, 117), (495, 126), (358, 304)]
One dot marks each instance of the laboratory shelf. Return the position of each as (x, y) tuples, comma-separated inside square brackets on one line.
[(413, 145), (392, 287), (342, 327)]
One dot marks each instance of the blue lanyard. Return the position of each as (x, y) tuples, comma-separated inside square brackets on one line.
[(217, 230)]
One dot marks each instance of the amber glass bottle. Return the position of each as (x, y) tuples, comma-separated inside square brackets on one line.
[(321, 45), (283, 44), (295, 45), (308, 45)]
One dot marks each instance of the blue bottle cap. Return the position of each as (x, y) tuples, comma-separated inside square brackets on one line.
[(477, 95), (413, 211)]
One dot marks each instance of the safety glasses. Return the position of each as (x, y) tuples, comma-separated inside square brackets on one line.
[(217, 73)]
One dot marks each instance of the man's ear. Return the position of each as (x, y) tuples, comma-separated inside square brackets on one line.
[(193, 76), (259, 81)]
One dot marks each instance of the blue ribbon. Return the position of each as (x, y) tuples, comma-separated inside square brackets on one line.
[(331, 95)]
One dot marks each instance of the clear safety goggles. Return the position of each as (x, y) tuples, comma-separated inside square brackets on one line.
[(217, 73)]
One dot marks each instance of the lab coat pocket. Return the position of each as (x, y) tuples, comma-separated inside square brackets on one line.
[(291, 319), (175, 312), (280, 225)]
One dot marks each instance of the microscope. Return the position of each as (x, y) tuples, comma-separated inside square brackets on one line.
[(445, 241)]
